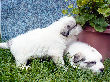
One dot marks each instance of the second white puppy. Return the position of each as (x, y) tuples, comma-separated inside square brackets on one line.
[(85, 56)]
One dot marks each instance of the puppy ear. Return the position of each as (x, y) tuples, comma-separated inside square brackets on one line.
[(78, 57)]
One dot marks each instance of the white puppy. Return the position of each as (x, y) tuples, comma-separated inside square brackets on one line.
[(85, 56), (50, 41)]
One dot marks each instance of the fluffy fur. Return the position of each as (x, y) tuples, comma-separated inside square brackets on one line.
[(85, 56), (50, 41)]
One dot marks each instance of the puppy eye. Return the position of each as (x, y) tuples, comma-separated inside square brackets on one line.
[(68, 26), (93, 62), (90, 64)]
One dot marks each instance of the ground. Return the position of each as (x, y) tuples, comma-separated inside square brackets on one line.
[(47, 71)]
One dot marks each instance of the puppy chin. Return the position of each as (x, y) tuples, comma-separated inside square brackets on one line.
[(96, 71)]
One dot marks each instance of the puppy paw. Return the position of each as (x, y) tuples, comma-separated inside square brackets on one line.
[(76, 67), (24, 67)]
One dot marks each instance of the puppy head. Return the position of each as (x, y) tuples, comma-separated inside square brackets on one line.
[(69, 26), (76, 30), (90, 60)]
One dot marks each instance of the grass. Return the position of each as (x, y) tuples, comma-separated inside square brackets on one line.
[(47, 71)]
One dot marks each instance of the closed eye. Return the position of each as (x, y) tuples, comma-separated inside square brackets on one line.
[(90, 64)]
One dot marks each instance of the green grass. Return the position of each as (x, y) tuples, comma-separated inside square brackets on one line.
[(47, 71)]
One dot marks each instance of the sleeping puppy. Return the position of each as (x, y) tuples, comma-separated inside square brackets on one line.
[(85, 56), (50, 41)]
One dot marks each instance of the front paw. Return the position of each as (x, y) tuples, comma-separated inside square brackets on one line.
[(24, 67)]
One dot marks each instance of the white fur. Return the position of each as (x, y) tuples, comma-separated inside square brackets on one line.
[(43, 42), (90, 54)]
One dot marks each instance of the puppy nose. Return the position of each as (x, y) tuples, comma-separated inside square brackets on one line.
[(102, 69)]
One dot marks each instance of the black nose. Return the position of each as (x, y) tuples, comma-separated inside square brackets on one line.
[(102, 69)]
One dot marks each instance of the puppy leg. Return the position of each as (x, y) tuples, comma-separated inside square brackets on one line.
[(58, 60), (71, 62), (21, 62)]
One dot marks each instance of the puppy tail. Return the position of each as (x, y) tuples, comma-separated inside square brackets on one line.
[(4, 45)]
